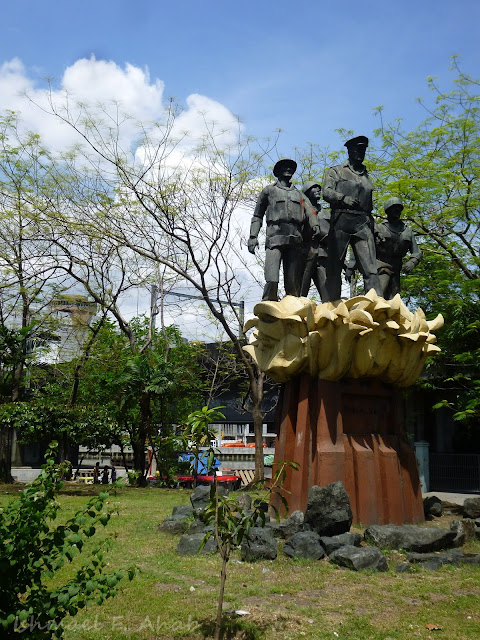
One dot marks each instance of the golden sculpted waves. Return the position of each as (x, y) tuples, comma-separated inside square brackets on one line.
[(360, 337)]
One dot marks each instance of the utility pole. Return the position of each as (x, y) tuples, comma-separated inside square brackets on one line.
[(153, 305)]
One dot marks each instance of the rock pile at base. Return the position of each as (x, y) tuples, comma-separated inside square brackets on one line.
[(324, 531)]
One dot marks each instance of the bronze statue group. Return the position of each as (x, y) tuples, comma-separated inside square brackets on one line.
[(311, 243)]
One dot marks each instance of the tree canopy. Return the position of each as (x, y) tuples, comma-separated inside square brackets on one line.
[(170, 210)]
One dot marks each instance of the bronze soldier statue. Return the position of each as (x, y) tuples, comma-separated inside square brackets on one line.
[(316, 249), (393, 240), (348, 189), (286, 212)]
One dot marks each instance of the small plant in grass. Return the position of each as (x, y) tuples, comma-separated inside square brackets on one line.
[(33, 549), (133, 477), (232, 524)]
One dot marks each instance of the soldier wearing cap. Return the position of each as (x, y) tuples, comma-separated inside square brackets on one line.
[(393, 240), (316, 248), (348, 189), (287, 213)]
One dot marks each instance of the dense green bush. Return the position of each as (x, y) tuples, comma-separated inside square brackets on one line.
[(33, 548)]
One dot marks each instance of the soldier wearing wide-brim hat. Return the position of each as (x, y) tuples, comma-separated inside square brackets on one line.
[(284, 162), (287, 213), (348, 189)]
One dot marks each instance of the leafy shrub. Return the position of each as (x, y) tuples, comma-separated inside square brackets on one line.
[(33, 548)]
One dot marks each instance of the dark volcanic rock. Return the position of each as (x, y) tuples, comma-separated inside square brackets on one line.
[(328, 510), (261, 505), (289, 527), (201, 497), (331, 544), (433, 561), (189, 544), (174, 525), (359, 558), (244, 502), (182, 511), (259, 545), (449, 557), (432, 506), (304, 544), (465, 530), (198, 526), (409, 537), (471, 508)]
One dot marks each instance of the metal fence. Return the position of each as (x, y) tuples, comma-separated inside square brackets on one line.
[(455, 472)]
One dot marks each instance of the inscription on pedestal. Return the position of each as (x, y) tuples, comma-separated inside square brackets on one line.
[(364, 415)]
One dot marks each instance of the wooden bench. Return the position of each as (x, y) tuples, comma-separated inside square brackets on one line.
[(85, 475), (245, 474)]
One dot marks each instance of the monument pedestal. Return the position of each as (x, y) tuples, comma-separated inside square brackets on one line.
[(351, 430)]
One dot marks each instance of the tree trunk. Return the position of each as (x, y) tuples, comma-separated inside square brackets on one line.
[(256, 392), (6, 434), (139, 443), (6, 456), (138, 446), (17, 381), (63, 449), (223, 579), (124, 459)]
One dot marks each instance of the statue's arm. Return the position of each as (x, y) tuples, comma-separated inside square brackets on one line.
[(312, 218), (415, 255), (323, 217), (330, 194), (334, 197), (257, 218)]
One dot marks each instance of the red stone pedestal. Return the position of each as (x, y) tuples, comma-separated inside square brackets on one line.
[(353, 431)]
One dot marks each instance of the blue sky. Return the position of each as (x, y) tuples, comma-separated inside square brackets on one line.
[(307, 67)]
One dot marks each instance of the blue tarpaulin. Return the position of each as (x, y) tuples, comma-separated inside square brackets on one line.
[(201, 463)]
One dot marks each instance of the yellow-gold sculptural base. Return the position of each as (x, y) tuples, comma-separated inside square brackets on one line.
[(364, 336), (340, 413)]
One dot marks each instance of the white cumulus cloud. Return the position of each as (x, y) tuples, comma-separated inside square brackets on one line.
[(125, 94)]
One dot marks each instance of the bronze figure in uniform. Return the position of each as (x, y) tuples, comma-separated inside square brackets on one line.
[(393, 240), (348, 189), (287, 213), (316, 248)]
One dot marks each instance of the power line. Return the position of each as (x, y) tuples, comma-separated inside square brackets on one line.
[(189, 296)]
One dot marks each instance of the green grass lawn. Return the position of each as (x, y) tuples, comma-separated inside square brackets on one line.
[(175, 597)]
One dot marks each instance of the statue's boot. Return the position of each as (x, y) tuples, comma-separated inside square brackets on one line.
[(270, 291), (372, 281)]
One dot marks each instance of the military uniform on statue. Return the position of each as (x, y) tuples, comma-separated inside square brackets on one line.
[(315, 249), (348, 189), (343, 364), (287, 212)]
